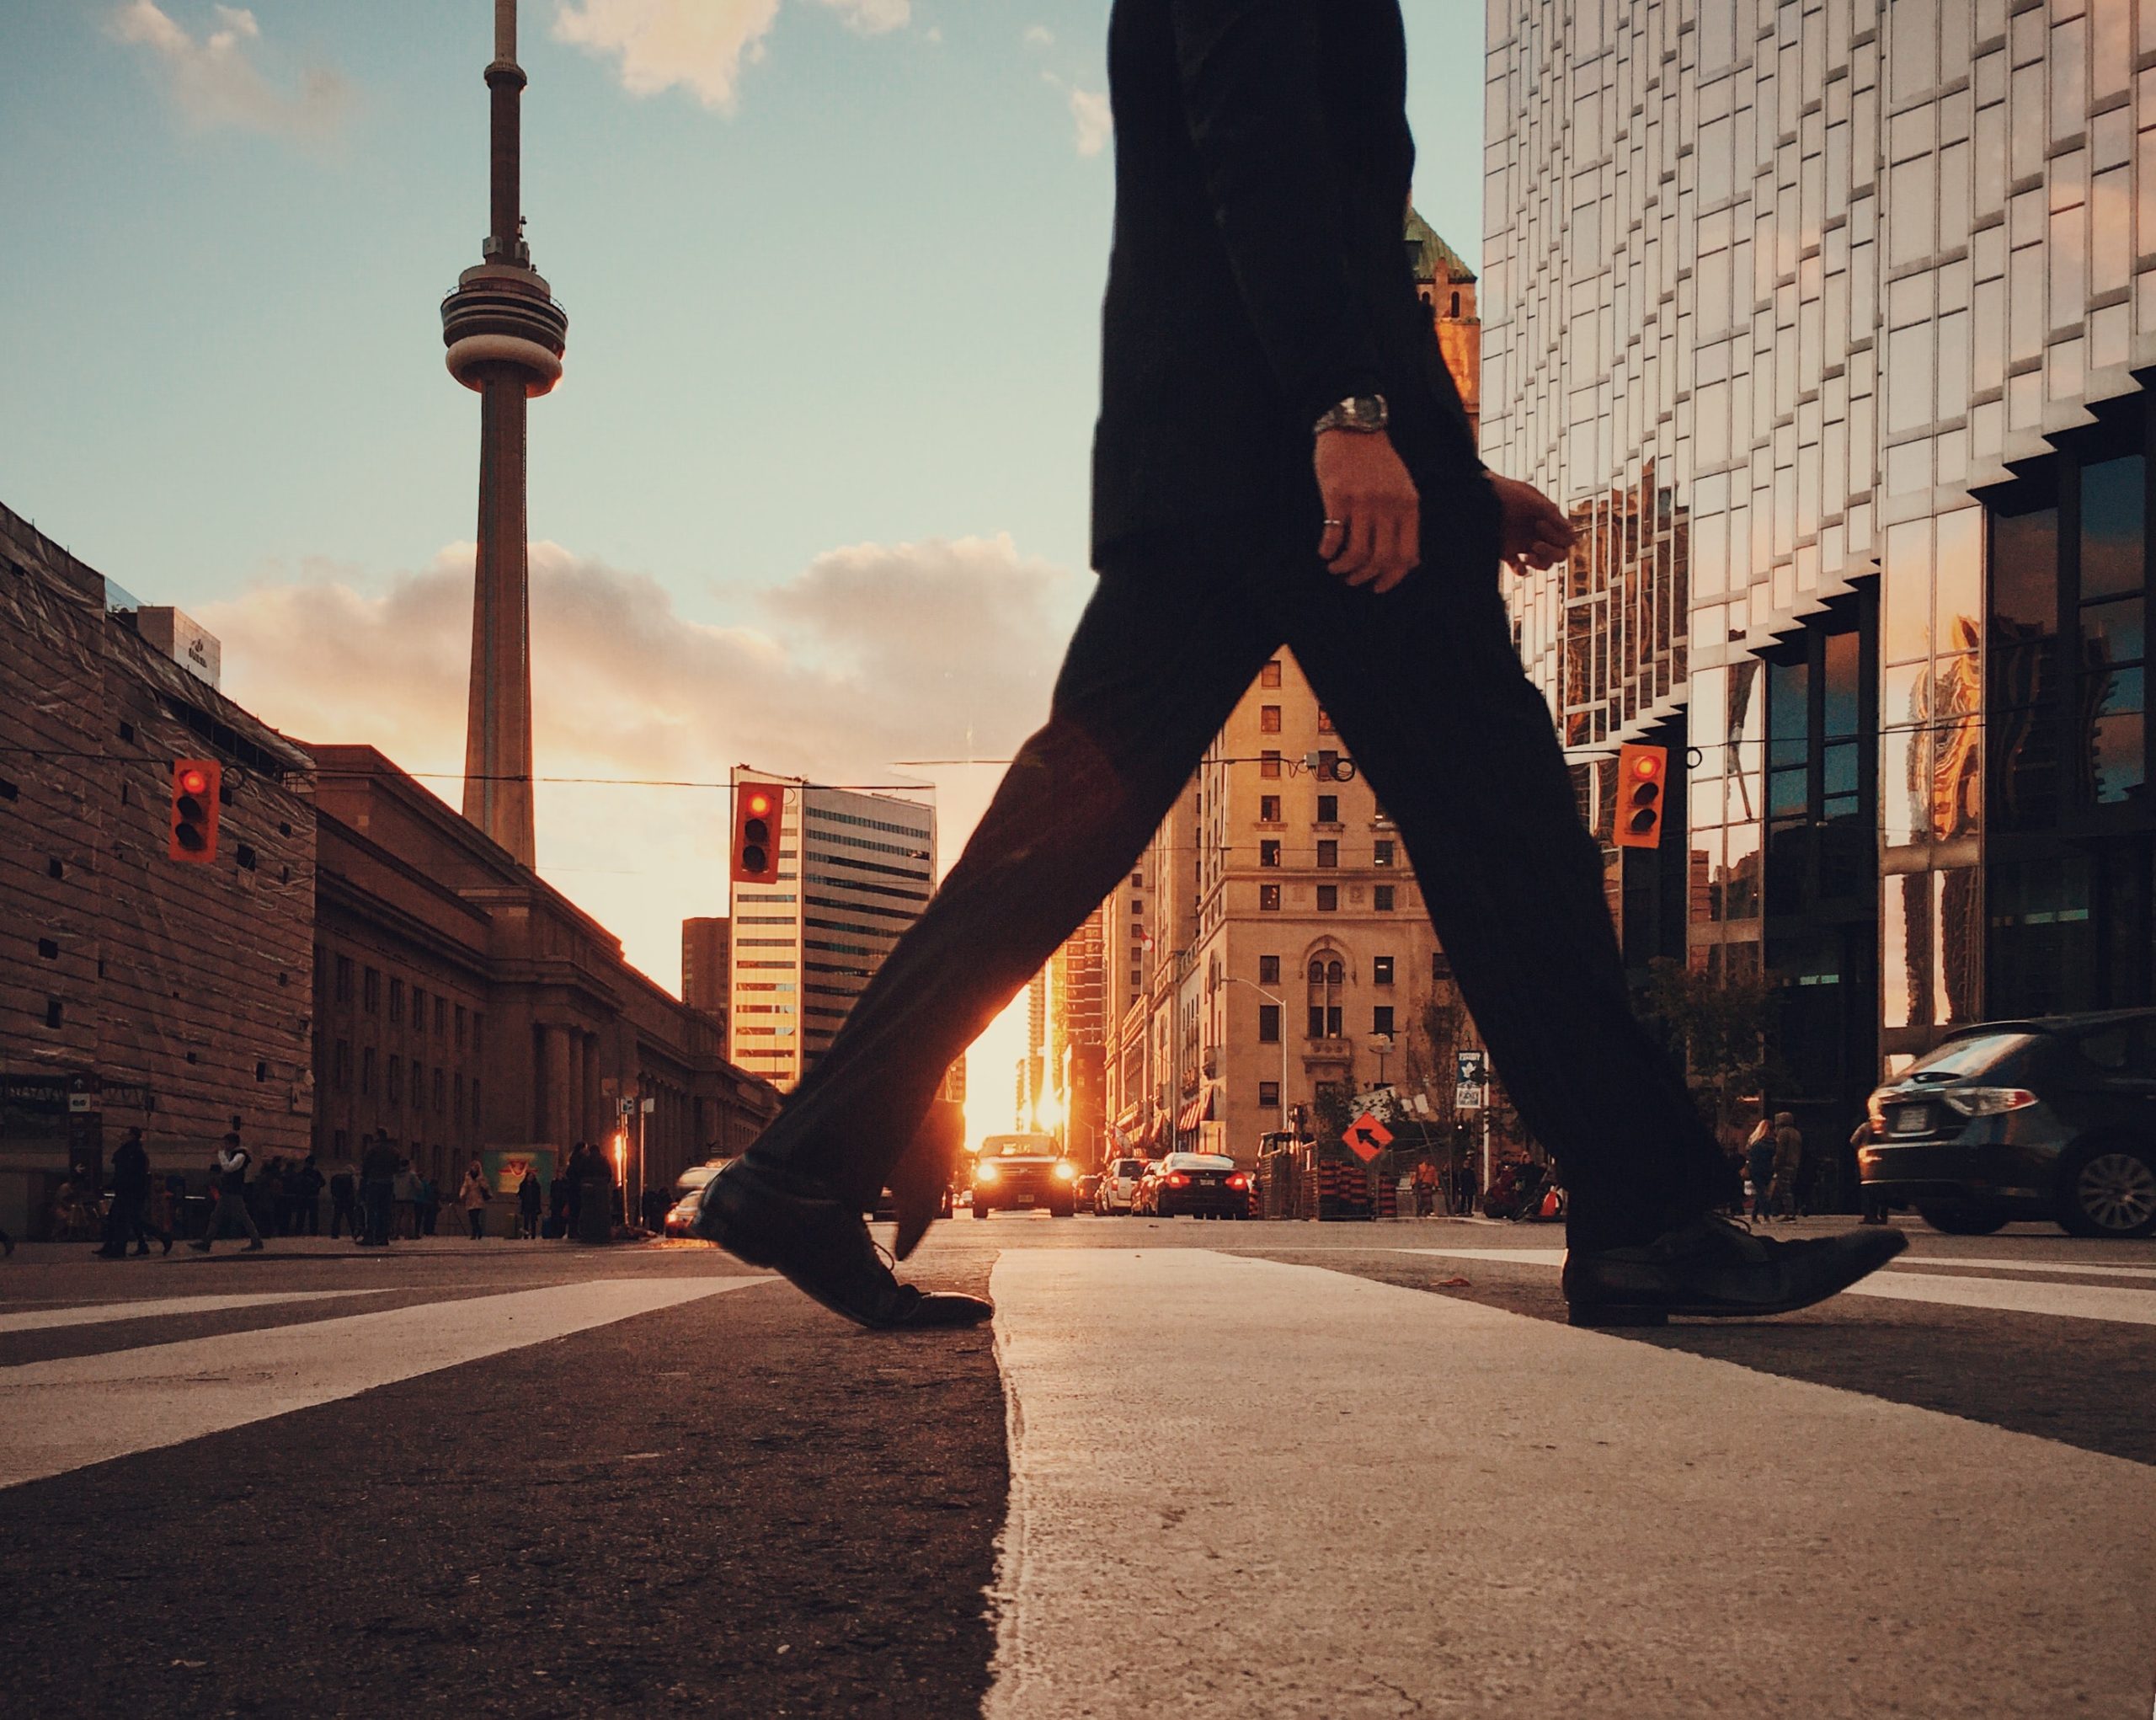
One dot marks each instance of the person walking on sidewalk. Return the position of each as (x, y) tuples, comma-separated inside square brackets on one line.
[(473, 1197), (1789, 1161), (231, 1212), (129, 1218), (530, 1199), (305, 1187), (377, 1191), (1282, 462), (344, 1201), (1759, 1168)]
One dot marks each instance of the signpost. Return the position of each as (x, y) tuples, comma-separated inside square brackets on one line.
[(1366, 1137), (1470, 1096)]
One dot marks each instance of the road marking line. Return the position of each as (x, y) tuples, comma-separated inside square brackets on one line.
[(60, 1415), (1987, 1265), (2063, 1301), (100, 1313), (1355, 1499)]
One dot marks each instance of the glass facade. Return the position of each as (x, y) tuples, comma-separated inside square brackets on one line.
[(1823, 321)]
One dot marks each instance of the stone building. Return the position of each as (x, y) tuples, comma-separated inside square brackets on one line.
[(135, 989), (1830, 323), (708, 965), (1447, 285), (466, 1006)]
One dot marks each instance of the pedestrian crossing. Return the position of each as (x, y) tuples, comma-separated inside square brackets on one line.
[(160, 1308), (1291, 1491), (57, 1416), (1943, 1288)]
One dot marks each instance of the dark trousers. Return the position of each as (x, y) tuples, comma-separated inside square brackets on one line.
[(475, 1219), (344, 1214), (379, 1201), (1427, 696)]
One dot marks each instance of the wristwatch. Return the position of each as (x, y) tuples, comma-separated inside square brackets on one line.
[(1364, 414)]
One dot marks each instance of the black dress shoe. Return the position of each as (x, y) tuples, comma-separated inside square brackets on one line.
[(821, 1245), (1716, 1268)]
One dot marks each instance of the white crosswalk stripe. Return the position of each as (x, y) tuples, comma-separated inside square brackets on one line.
[(60, 1415), (102, 1313), (2067, 1302), (1283, 1490)]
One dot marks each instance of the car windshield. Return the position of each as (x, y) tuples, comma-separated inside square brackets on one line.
[(1969, 1056), (1201, 1161), (1130, 1167), (695, 1177)]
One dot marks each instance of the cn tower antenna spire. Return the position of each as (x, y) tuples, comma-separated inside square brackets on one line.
[(506, 337)]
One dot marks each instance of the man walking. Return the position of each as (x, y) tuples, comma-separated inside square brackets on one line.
[(129, 1218), (231, 1213), (1283, 459), (377, 1191), (1789, 1161)]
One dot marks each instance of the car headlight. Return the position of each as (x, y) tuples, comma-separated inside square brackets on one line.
[(1065, 1172), (986, 1173), (1989, 1101)]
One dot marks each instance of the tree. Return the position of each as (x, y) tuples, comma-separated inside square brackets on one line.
[(1723, 1030)]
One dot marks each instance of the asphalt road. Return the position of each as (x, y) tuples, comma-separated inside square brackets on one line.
[(1194, 1467)]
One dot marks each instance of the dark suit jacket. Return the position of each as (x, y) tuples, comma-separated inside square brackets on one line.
[(1261, 272)]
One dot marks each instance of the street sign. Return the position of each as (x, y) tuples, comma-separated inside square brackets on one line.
[(1366, 1137), (1471, 1073)]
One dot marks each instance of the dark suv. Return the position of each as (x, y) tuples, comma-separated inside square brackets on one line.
[(2053, 1119)]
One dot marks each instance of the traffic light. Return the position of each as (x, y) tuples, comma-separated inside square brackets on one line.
[(195, 784), (755, 833), (1642, 792)]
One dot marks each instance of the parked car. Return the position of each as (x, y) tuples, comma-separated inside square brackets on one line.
[(1024, 1170), (886, 1205), (1118, 1186), (692, 1180), (681, 1217), (2053, 1119), (1204, 1184), (1089, 1186)]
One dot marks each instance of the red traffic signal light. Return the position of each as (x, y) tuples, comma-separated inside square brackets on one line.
[(756, 807), (195, 785), (1642, 795)]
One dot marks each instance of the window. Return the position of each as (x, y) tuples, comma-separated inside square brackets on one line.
[(1138, 908), (1270, 674), (1268, 970), (1268, 1093), (418, 1010), (1268, 766), (394, 1088), (1328, 854), (1328, 981), (1324, 721), (460, 1027), (1328, 809), (343, 979), (1382, 853), (441, 1091), (475, 1101), (1268, 899), (1268, 719), (367, 1070), (2112, 764), (1381, 899), (1381, 971), (371, 991), (396, 1002), (340, 1066), (441, 1015), (1137, 880), (1328, 898), (1268, 853), (1268, 809), (1440, 965), (478, 1032), (1268, 1023), (456, 1095)]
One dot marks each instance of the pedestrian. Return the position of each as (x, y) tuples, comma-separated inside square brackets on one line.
[(654, 1208), (231, 1211), (404, 1190), (128, 1219), (344, 1201), (378, 1190), (1283, 459), (1872, 1199), (560, 1199), (529, 1198), (1788, 1160), (573, 1174), (1759, 1165), (473, 1197), (305, 1185), (429, 1202)]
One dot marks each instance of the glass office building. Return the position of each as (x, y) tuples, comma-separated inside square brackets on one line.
[(1828, 321)]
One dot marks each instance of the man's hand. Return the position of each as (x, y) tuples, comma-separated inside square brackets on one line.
[(1532, 532), (1372, 513)]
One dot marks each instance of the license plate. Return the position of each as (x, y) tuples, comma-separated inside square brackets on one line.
[(1911, 1119)]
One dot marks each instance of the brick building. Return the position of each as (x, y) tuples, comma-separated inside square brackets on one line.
[(135, 989), (467, 1005)]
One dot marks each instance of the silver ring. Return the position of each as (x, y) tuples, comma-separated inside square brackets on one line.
[(1341, 524)]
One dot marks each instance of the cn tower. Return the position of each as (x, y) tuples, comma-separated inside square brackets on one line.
[(506, 337)]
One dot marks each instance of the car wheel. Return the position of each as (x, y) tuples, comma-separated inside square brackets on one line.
[(1962, 1218), (1062, 1212), (2108, 1189)]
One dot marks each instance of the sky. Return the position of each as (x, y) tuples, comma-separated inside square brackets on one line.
[(812, 495)]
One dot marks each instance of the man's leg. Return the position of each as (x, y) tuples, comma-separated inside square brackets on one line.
[(1167, 645), (1428, 697)]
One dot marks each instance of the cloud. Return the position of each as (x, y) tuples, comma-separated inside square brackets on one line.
[(214, 83), (940, 650), (699, 43), (1096, 124), (1039, 35)]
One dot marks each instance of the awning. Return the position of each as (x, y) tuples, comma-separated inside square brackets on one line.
[(1195, 1111)]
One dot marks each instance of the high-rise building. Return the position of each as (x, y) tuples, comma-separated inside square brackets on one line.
[(1077, 1039), (855, 870), (707, 965), (505, 336), (1828, 324)]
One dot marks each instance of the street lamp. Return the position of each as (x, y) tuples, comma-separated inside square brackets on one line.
[(1233, 980)]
